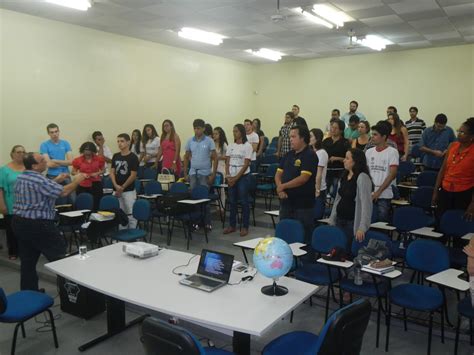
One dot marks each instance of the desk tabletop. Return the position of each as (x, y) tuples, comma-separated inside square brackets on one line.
[(468, 236), (426, 232), (405, 186), (383, 226), (252, 244), (77, 213), (342, 264), (150, 197), (151, 284), (450, 278), (275, 213), (195, 202)]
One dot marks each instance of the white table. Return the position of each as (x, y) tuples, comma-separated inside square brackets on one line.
[(273, 214), (251, 244), (426, 232), (324, 220), (400, 203), (72, 214), (241, 310), (410, 187), (468, 236), (450, 278), (383, 226), (150, 197)]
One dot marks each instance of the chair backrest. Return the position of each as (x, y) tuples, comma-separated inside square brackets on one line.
[(271, 171), (270, 157), (408, 218), (178, 187), (161, 338), (150, 173), (141, 210), (109, 202), (290, 230), (266, 142), (427, 178), (422, 197), (368, 236), (344, 331), (327, 237), (274, 142), (3, 301), (453, 223), (252, 185), (84, 201), (405, 168), (153, 187), (319, 208), (138, 186), (199, 192), (107, 182), (428, 256)]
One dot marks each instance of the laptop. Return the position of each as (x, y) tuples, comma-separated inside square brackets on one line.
[(213, 271)]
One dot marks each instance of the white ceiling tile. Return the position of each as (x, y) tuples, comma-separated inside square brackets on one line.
[(453, 2), (382, 20), (414, 6), (136, 4), (356, 5), (376, 11), (433, 22), (460, 10), (417, 44), (443, 35), (421, 15)]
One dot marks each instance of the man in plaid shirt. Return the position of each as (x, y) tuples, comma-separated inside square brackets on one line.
[(284, 135)]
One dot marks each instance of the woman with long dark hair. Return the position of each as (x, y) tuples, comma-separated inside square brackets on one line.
[(150, 144), (92, 166), (316, 142), (361, 141), (257, 128), (136, 143), (352, 209), (399, 135), (220, 140), (170, 148), (237, 170)]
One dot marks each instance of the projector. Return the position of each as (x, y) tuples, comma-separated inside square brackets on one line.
[(140, 250)]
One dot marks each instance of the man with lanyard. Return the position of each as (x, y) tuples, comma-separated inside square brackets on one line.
[(34, 216), (295, 181)]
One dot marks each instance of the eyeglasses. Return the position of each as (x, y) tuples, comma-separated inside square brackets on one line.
[(20, 152)]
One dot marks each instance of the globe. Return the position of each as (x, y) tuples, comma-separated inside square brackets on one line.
[(273, 258)]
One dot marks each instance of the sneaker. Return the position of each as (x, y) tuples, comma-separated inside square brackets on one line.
[(208, 227), (229, 230), (244, 232)]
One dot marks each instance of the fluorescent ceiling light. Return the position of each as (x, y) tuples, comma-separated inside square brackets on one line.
[(332, 15), (82, 5), (313, 18), (267, 54), (374, 42), (201, 36)]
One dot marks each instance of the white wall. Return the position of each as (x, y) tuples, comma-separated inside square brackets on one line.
[(83, 80), (435, 80)]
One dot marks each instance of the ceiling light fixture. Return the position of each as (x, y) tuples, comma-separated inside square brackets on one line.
[(201, 36), (332, 15), (82, 5), (266, 53), (313, 18), (374, 42)]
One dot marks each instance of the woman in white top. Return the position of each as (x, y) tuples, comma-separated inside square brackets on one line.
[(150, 145), (220, 140), (316, 141), (237, 170)]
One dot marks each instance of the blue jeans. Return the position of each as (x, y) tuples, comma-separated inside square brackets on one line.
[(303, 215), (348, 227), (36, 237), (240, 192), (196, 180), (382, 208)]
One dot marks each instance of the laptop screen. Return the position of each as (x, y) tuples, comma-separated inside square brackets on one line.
[(216, 265)]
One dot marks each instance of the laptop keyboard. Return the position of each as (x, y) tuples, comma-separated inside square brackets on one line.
[(198, 281)]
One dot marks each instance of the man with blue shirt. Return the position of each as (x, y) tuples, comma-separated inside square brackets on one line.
[(201, 152), (353, 106), (435, 141), (57, 153)]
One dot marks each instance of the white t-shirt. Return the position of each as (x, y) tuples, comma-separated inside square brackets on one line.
[(151, 148), (108, 154), (379, 165), (237, 154), (323, 163), (253, 138)]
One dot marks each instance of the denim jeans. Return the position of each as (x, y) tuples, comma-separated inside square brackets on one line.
[(240, 192), (303, 215), (348, 227), (382, 208), (36, 237), (196, 180)]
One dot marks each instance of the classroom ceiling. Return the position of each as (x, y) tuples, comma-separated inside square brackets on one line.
[(248, 24)]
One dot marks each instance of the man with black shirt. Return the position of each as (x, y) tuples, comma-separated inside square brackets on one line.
[(295, 181), (298, 120), (123, 174)]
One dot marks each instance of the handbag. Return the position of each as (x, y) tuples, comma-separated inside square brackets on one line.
[(165, 179)]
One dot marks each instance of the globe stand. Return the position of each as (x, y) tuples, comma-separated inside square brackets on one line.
[(274, 290)]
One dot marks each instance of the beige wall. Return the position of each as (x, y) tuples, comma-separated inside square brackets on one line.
[(435, 80), (85, 80)]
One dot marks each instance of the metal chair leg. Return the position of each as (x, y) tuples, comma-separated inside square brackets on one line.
[(456, 339), (379, 308), (15, 333), (442, 325), (387, 324), (53, 328), (405, 319), (430, 332), (23, 333)]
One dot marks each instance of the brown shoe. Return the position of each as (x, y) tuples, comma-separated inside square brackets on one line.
[(244, 232), (229, 230)]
